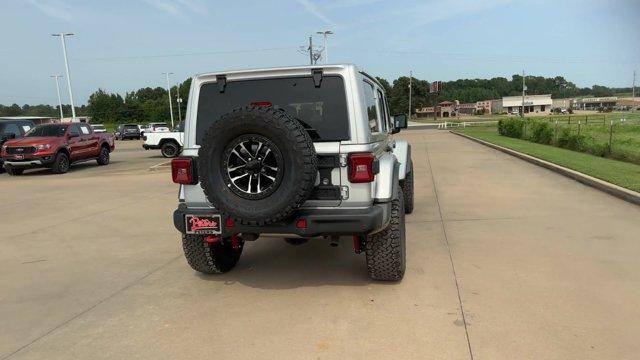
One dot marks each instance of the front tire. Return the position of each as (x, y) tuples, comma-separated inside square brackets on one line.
[(61, 164), (169, 149), (216, 258), (104, 157), (13, 171), (386, 250)]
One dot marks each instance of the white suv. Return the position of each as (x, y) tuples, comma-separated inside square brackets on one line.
[(295, 153)]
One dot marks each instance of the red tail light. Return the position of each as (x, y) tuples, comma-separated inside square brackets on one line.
[(361, 167), (183, 171)]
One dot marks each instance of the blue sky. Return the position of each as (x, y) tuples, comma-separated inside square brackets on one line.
[(124, 45)]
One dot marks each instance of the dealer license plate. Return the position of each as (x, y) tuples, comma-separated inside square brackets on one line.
[(199, 224)]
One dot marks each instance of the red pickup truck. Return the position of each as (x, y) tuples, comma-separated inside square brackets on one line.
[(56, 146)]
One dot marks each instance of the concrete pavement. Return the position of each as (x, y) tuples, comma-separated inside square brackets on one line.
[(505, 260)]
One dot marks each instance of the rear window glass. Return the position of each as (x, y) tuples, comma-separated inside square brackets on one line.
[(131, 127), (322, 110)]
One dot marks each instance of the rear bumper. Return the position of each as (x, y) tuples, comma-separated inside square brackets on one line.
[(320, 222)]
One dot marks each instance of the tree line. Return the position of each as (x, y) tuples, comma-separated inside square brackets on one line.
[(151, 104)]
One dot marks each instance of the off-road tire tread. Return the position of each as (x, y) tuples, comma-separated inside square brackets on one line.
[(407, 189), (210, 259), (386, 250), (295, 134), (56, 164), (102, 160)]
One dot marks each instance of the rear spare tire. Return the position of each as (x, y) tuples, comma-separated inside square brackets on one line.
[(257, 165)]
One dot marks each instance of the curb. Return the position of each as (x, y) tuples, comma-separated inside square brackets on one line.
[(611, 189)]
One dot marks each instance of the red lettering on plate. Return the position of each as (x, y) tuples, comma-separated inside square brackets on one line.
[(197, 223)]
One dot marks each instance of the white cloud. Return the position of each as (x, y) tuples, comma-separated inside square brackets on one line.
[(315, 11), (53, 8)]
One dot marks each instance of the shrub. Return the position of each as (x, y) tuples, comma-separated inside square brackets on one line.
[(541, 132), (569, 140), (511, 127)]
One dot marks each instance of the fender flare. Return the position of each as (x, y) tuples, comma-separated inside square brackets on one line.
[(402, 151)]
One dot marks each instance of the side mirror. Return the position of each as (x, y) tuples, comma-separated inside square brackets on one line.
[(10, 136), (399, 122)]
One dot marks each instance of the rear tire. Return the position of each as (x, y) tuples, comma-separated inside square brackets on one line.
[(407, 189), (216, 258), (170, 149), (103, 159), (61, 163), (386, 250), (13, 171)]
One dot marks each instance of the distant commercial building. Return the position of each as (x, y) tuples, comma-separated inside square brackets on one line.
[(595, 103), (562, 103), (444, 109), (629, 103), (540, 104), (496, 106), (467, 109), (483, 107)]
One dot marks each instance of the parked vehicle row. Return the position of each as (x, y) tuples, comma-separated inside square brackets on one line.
[(56, 146), (13, 129)]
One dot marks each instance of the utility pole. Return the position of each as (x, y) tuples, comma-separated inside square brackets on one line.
[(410, 78), (310, 50), (633, 93), (66, 65), (524, 88), (169, 91), (324, 43), (56, 77)]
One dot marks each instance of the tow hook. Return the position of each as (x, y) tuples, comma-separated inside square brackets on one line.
[(357, 244)]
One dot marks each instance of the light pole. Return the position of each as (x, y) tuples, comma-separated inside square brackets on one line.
[(524, 88), (324, 43), (66, 65), (170, 102), (410, 78), (58, 90), (179, 101)]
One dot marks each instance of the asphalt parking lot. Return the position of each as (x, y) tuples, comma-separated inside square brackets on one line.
[(505, 261)]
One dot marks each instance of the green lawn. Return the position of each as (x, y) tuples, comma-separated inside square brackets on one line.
[(617, 172)]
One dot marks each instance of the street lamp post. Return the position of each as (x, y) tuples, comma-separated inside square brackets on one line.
[(170, 102), (56, 77), (66, 65), (179, 101), (324, 43)]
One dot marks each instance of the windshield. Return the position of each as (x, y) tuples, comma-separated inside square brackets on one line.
[(98, 127), (131, 127), (155, 126), (322, 110), (48, 130)]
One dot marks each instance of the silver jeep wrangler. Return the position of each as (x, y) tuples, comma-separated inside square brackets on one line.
[(295, 153)]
